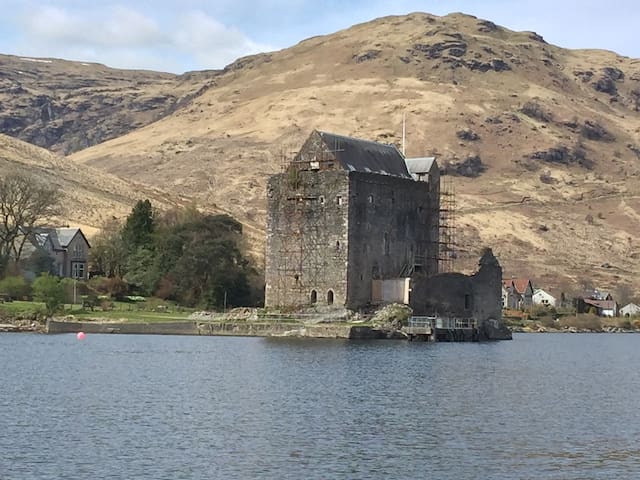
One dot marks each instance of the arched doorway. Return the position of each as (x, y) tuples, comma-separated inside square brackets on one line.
[(330, 297), (314, 296)]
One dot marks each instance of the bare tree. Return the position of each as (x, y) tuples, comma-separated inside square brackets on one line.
[(25, 204)]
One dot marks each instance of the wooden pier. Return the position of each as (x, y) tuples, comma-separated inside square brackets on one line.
[(439, 329)]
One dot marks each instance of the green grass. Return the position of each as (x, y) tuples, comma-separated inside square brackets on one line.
[(128, 311), (21, 308), (132, 315)]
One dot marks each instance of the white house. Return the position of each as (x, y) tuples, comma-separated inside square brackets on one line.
[(630, 310), (540, 297)]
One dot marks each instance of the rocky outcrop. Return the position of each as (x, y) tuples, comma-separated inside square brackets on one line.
[(494, 330)]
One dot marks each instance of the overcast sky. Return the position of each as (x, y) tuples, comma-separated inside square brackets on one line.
[(177, 36)]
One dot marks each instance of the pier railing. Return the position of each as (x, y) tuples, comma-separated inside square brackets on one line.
[(419, 324)]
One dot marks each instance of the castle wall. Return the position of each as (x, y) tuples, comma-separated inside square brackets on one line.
[(393, 225), (477, 296), (307, 240)]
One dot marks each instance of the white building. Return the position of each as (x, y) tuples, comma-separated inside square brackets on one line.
[(540, 297), (630, 310)]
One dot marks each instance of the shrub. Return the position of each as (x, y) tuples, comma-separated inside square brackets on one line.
[(15, 287), (536, 111), (49, 290), (116, 287), (586, 321)]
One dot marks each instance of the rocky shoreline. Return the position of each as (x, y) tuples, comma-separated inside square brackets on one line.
[(542, 329), (212, 327), (21, 326)]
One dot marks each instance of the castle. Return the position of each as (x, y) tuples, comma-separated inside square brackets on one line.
[(349, 223)]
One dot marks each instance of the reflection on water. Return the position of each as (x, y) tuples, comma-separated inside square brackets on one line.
[(542, 406)]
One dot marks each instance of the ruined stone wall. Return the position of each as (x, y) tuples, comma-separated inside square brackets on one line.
[(307, 239), (487, 288), (445, 294), (476, 296), (391, 224)]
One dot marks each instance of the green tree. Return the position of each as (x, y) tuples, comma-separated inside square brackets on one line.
[(38, 262), (108, 253), (205, 263), (16, 287), (143, 270), (139, 226), (49, 290)]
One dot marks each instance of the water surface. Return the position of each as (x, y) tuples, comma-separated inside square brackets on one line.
[(552, 406)]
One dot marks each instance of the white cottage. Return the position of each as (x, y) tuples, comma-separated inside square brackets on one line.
[(630, 310), (540, 297)]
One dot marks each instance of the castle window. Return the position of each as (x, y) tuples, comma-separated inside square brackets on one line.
[(370, 199), (314, 296), (338, 245), (330, 297), (385, 243), (339, 200), (321, 199)]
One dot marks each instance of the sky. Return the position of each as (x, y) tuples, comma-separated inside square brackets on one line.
[(179, 36)]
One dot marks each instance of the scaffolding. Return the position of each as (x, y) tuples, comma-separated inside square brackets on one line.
[(447, 228)]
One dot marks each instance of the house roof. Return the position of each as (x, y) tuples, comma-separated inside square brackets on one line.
[(520, 284), (365, 156), (419, 166), (540, 291), (60, 237), (65, 235), (603, 304), (632, 306)]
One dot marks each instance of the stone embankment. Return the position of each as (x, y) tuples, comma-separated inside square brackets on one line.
[(241, 328)]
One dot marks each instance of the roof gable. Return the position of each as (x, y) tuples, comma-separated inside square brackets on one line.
[(521, 285), (420, 166)]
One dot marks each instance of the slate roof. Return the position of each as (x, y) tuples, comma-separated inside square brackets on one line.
[(60, 237), (419, 166), (65, 235), (357, 155)]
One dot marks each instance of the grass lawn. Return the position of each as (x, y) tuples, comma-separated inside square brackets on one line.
[(133, 315), (21, 308), (127, 311)]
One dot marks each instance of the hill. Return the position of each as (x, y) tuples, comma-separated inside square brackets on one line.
[(67, 106), (542, 143), (89, 197)]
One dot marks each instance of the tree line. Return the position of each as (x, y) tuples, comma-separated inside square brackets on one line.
[(193, 258), (184, 255)]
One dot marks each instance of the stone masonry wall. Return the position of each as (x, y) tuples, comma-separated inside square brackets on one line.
[(307, 240), (392, 222)]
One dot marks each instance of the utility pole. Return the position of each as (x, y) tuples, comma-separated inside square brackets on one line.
[(404, 130)]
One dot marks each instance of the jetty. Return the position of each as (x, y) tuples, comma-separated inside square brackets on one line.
[(438, 329)]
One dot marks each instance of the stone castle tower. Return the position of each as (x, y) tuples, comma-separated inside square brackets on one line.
[(349, 222)]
